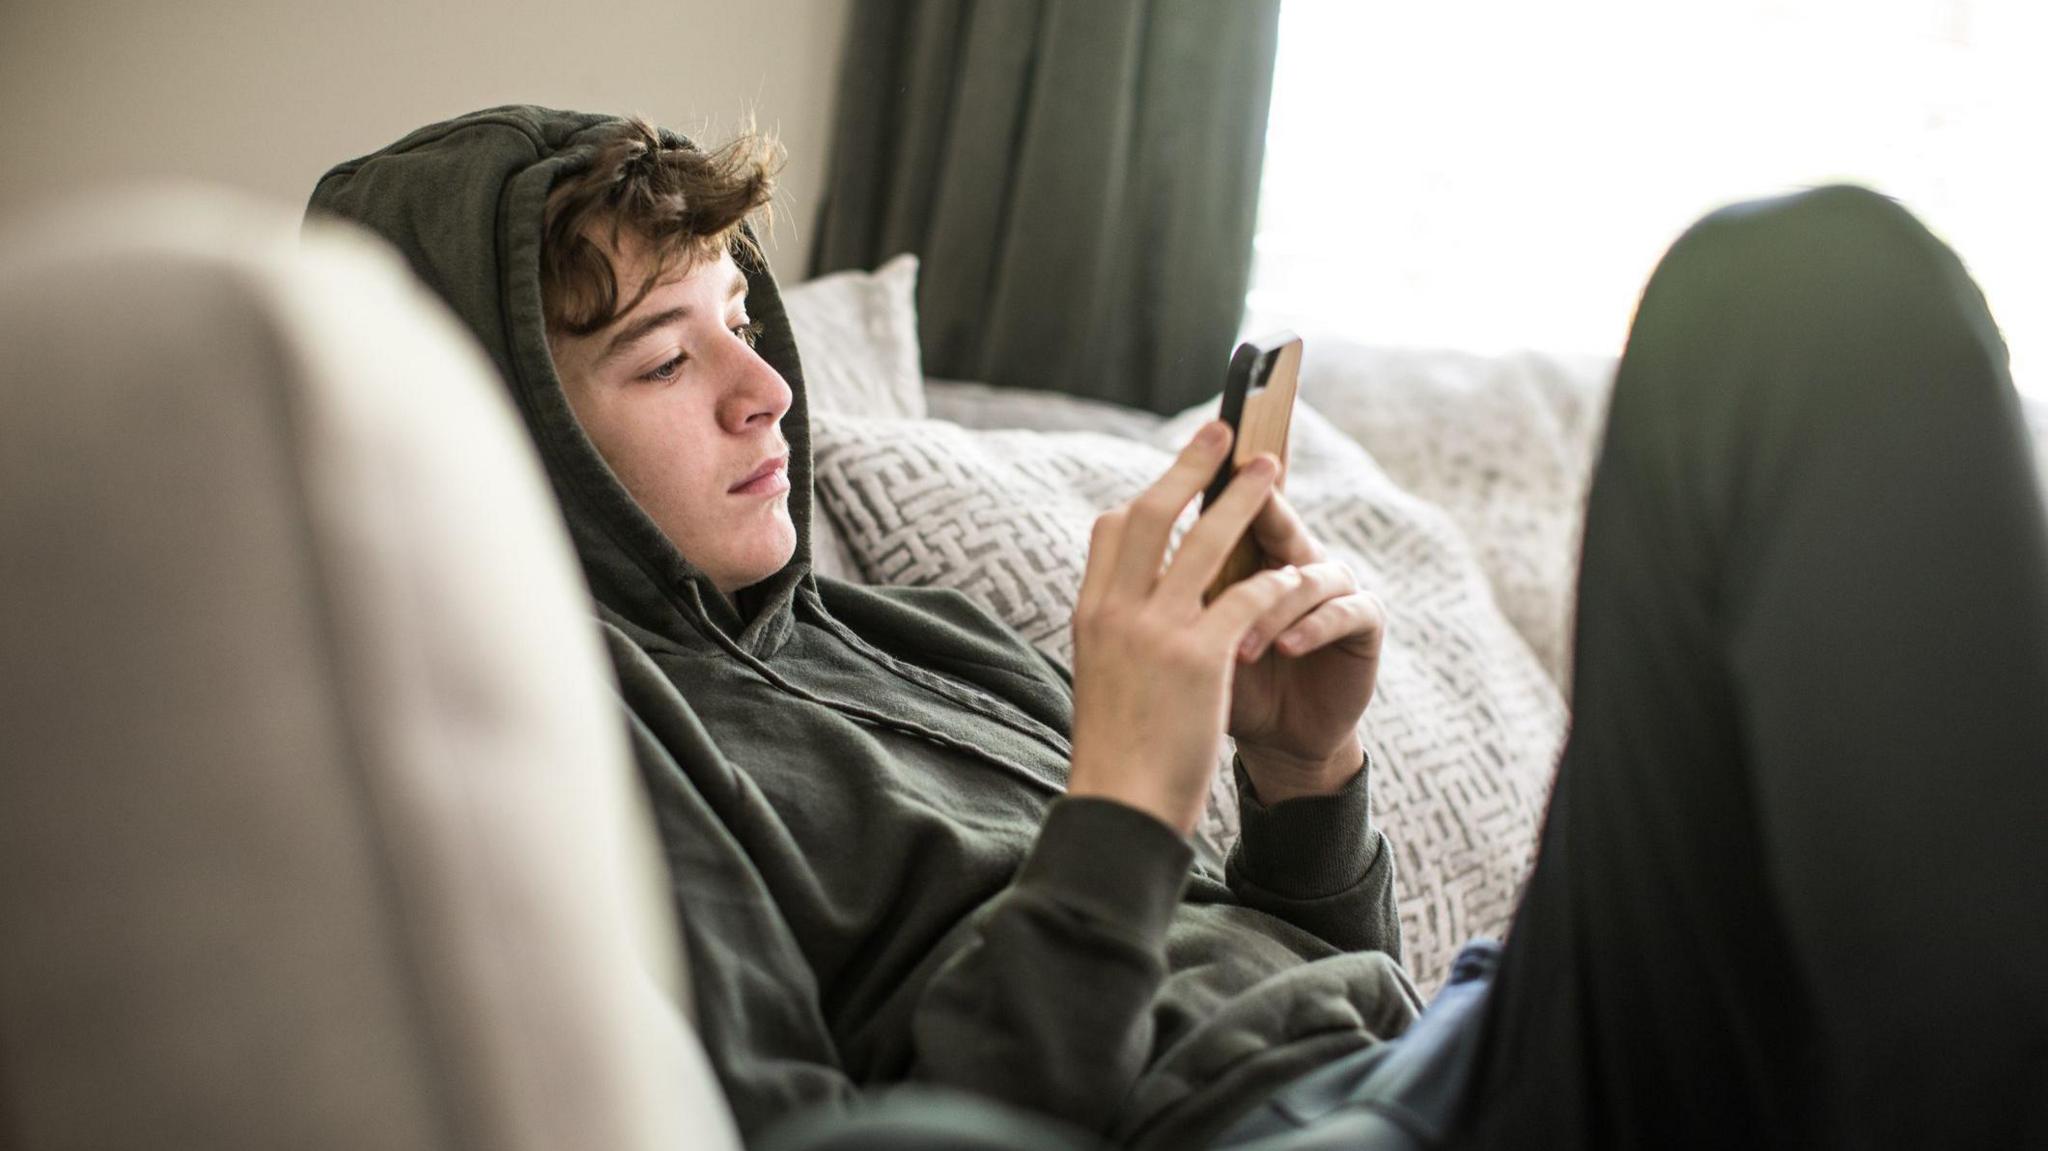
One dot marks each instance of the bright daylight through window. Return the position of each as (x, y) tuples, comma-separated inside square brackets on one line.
[(1494, 174)]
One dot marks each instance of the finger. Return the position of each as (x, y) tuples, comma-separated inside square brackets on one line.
[(1104, 541), (1282, 536), (1149, 518), (1356, 620), (1203, 549), (1320, 583), (1241, 604)]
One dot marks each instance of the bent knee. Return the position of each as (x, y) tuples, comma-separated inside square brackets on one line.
[(1840, 250)]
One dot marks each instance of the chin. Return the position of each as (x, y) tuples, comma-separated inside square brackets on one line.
[(775, 553)]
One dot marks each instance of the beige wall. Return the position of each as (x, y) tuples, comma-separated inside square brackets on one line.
[(266, 95)]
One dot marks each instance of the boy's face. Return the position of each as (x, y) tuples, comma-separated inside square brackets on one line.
[(688, 416)]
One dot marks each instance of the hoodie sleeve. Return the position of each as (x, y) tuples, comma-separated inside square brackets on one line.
[(1318, 863), (1047, 1004), (1050, 1006)]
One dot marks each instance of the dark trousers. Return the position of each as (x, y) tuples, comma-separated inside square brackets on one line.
[(1793, 882)]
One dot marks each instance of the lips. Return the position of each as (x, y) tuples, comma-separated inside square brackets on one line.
[(760, 475)]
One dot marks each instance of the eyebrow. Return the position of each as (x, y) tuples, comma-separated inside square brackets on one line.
[(632, 333)]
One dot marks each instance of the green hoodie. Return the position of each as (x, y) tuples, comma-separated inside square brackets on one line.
[(860, 789)]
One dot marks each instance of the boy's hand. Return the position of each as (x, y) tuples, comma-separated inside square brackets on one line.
[(1153, 667), (1312, 661)]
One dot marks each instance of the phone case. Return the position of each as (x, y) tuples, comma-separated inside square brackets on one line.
[(1263, 419)]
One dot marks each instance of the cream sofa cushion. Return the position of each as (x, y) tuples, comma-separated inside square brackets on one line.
[(320, 830)]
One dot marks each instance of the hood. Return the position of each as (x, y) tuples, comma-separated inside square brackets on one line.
[(463, 200)]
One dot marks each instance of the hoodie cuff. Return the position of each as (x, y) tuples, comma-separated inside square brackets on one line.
[(1111, 862), (1309, 847)]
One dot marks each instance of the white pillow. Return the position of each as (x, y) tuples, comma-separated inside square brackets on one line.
[(1465, 726), (978, 405), (857, 334)]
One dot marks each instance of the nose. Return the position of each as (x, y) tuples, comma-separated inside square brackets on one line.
[(756, 394)]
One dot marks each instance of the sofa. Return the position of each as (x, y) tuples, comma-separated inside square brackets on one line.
[(320, 829)]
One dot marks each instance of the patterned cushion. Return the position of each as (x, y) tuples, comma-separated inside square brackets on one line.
[(1465, 726)]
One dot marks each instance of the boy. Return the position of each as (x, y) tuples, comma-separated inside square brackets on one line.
[(907, 849)]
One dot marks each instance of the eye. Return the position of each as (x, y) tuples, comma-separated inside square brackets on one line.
[(749, 331), (667, 370)]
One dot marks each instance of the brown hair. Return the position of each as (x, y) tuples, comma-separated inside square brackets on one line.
[(684, 203)]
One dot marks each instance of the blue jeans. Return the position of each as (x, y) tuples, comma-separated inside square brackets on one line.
[(1395, 1096)]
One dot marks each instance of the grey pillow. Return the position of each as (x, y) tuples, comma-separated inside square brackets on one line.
[(1504, 444)]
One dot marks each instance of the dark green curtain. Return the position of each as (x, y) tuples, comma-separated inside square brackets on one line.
[(1078, 177)]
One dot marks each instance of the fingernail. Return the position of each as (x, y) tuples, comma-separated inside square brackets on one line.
[(1249, 646), (1263, 466), (1212, 435)]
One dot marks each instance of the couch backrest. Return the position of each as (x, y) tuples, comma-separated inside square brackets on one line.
[(319, 829)]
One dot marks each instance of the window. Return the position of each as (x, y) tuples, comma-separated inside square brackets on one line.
[(1492, 174)]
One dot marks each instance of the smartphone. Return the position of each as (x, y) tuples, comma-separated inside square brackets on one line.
[(1258, 404)]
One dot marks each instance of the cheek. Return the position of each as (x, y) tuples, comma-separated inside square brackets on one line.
[(662, 456)]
